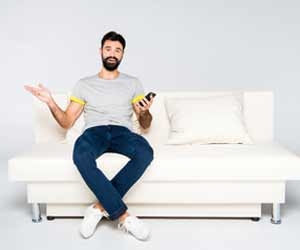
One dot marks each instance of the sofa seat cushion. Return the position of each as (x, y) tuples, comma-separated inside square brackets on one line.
[(193, 162)]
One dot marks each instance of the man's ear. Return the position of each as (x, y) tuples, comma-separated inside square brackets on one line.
[(100, 51)]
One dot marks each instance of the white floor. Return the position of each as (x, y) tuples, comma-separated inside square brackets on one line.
[(18, 232)]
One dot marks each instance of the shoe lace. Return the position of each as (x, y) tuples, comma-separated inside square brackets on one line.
[(123, 226)]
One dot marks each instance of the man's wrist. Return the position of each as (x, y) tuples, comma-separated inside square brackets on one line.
[(51, 103), (143, 112)]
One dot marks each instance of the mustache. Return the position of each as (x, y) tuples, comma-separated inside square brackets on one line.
[(111, 57)]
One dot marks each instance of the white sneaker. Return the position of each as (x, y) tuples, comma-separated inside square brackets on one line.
[(135, 226), (92, 216)]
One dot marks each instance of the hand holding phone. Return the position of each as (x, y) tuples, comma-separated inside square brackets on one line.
[(148, 97)]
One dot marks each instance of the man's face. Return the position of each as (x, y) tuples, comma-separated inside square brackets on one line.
[(111, 54)]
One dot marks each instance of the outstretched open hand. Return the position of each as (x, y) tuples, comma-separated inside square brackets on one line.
[(40, 92)]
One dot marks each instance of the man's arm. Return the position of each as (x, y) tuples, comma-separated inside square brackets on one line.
[(66, 118), (145, 119)]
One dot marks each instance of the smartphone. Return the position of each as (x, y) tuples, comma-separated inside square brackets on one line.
[(148, 96)]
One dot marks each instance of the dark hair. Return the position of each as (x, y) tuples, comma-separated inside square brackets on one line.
[(113, 36)]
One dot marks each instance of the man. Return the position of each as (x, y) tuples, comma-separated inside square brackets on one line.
[(108, 100)]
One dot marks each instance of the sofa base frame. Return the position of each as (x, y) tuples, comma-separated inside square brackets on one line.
[(252, 211), (206, 199)]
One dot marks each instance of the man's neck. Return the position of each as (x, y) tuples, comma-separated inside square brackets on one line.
[(108, 75)]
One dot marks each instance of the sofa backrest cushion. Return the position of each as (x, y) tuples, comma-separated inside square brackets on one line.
[(257, 110)]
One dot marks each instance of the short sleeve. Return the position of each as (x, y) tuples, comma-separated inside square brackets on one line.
[(139, 92), (76, 94)]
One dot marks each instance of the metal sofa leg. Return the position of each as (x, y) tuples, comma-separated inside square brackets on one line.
[(276, 219), (36, 212)]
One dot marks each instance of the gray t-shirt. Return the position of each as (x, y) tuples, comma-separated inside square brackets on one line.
[(107, 102)]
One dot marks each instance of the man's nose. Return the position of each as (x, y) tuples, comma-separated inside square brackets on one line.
[(112, 54)]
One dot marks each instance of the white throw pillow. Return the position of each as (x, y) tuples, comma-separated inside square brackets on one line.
[(77, 129), (215, 119)]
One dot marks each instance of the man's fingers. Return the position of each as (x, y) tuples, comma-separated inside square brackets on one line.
[(32, 90), (27, 87), (144, 101), (146, 106), (137, 106), (41, 86), (148, 103)]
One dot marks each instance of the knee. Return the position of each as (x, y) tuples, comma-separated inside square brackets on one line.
[(151, 153), (79, 154), (147, 154)]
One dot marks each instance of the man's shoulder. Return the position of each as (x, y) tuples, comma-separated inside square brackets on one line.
[(84, 81), (88, 78), (128, 77)]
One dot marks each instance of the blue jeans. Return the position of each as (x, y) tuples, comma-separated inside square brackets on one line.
[(97, 140)]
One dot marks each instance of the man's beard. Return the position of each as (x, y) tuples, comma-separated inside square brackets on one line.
[(110, 66)]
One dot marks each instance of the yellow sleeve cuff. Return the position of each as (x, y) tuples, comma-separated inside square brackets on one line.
[(76, 99), (137, 98)]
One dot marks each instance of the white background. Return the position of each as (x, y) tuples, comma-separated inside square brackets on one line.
[(172, 45)]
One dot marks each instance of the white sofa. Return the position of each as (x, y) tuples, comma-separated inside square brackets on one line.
[(213, 180)]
